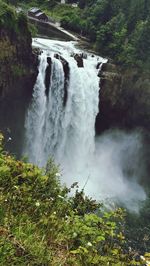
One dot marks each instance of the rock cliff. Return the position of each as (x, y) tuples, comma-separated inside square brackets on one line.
[(124, 98), (18, 71)]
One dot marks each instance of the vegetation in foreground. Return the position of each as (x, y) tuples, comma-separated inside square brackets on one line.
[(41, 225)]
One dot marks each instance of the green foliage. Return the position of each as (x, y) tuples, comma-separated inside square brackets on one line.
[(69, 17), (138, 228), (117, 29), (33, 30), (41, 225), (12, 24), (112, 35), (15, 46), (7, 16), (121, 29)]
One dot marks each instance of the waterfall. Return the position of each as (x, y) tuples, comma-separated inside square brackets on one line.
[(65, 130), (66, 133)]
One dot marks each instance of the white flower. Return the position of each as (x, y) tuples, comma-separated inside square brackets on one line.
[(89, 244), (57, 174), (142, 258), (74, 234), (51, 199), (61, 197), (54, 213), (37, 204)]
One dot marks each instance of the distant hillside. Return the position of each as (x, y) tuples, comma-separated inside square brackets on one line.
[(117, 29)]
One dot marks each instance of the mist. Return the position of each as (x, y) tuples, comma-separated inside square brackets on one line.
[(113, 172)]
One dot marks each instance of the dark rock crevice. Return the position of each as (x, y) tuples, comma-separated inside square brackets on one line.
[(79, 59), (12, 112), (66, 76), (48, 76)]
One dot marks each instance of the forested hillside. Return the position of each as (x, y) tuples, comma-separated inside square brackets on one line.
[(117, 29)]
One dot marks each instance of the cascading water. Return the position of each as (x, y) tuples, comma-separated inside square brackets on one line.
[(67, 132), (58, 131)]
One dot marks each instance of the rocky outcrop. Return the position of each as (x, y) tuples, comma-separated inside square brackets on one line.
[(18, 72), (16, 57), (48, 75), (79, 59), (124, 98), (13, 109), (66, 76)]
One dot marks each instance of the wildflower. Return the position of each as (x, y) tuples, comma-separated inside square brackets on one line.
[(61, 197), (142, 257), (51, 199), (57, 174), (37, 204), (89, 244), (74, 234), (54, 213)]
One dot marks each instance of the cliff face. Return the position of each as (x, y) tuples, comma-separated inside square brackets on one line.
[(16, 58), (124, 98), (18, 71)]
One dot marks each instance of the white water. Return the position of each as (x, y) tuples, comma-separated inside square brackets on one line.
[(68, 133)]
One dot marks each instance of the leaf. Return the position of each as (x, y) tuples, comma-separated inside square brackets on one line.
[(100, 238)]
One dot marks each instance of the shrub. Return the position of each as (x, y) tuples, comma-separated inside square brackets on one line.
[(41, 225)]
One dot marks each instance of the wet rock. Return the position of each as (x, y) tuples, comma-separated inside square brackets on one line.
[(49, 60), (98, 65), (108, 75), (57, 56), (66, 74), (37, 51), (66, 81), (79, 59), (84, 55), (48, 75), (108, 67)]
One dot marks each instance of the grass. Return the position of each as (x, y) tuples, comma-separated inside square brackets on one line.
[(41, 226)]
